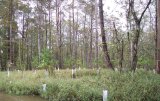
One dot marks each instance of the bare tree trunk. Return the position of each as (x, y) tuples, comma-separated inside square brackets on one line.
[(158, 38), (10, 31), (23, 38), (27, 48), (96, 23), (74, 36), (57, 29), (39, 45), (104, 43), (85, 40), (10, 48), (39, 36), (91, 38), (19, 51), (31, 57), (70, 36), (0, 53), (155, 37), (46, 31), (60, 42), (122, 54), (135, 49), (27, 43), (50, 36), (59, 34)]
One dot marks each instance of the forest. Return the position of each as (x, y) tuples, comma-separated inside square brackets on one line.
[(109, 44)]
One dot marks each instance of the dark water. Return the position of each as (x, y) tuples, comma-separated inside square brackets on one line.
[(6, 97)]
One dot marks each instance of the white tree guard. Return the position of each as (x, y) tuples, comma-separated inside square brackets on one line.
[(105, 95)]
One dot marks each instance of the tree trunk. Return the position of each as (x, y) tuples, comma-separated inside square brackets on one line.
[(39, 36), (135, 49), (0, 53), (137, 21), (74, 36), (119, 46), (91, 38), (70, 36), (50, 36), (158, 38), (10, 50), (155, 37), (96, 13), (60, 42), (85, 42), (104, 43), (121, 55), (59, 34), (23, 38)]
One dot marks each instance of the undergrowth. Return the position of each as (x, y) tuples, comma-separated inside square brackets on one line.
[(87, 86)]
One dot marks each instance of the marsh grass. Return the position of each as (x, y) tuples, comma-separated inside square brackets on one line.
[(88, 85)]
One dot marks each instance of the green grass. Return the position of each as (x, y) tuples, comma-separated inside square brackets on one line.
[(88, 86)]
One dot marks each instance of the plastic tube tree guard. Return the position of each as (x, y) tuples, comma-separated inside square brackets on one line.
[(44, 87), (105, 95)]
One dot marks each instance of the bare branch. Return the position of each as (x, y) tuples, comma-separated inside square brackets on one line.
[(138, 20), (144, 10)]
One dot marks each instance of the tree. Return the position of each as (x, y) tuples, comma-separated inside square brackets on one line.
[(158, 37), (96, 22), (137, 31), (104, 43), (118, 41)]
